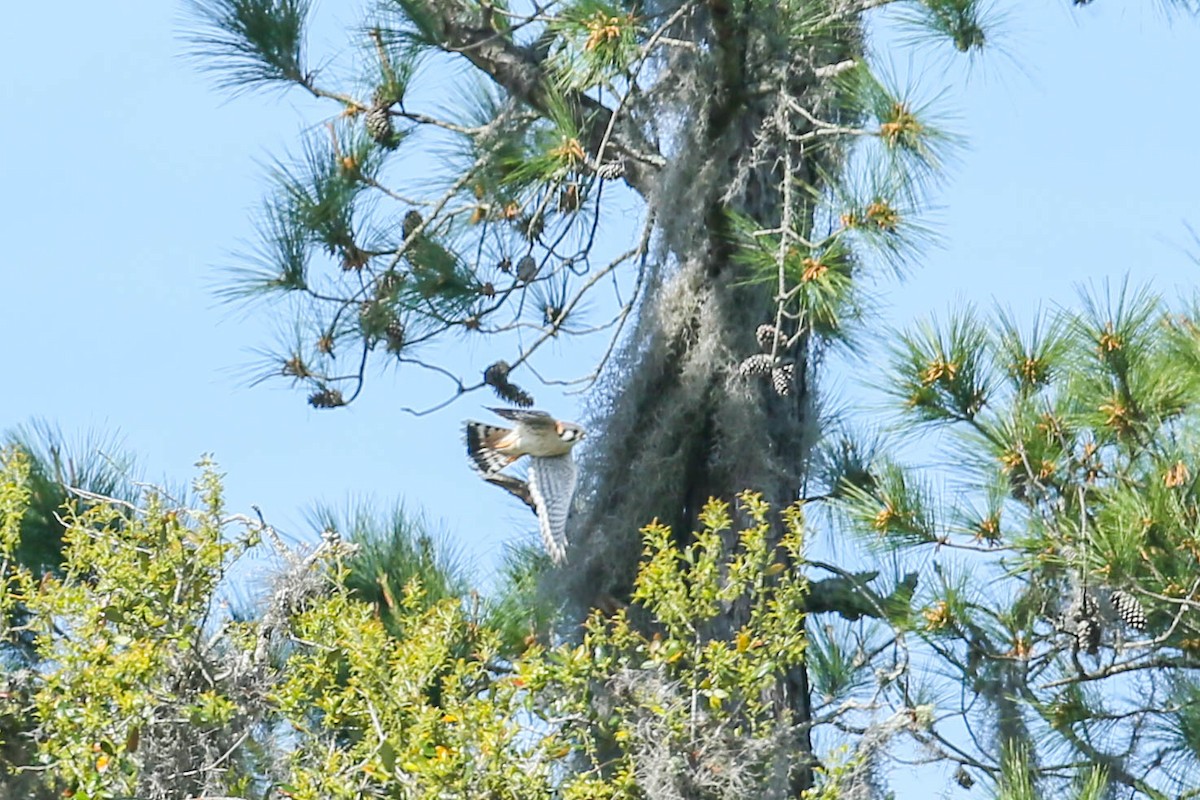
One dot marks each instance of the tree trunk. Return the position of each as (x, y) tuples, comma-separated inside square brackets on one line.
[(678, 424)]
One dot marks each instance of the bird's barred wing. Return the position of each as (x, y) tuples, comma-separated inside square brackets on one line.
[(482, 443), (525, 417), (514, 486), (552, 485)]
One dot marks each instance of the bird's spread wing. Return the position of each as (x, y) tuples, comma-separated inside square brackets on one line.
[(552, 485), (524, 416), (482, 443), (514, 486)]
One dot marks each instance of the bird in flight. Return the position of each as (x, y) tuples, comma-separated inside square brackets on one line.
[(551, 485)]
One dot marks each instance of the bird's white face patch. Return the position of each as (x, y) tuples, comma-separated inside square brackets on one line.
[(570, 433)]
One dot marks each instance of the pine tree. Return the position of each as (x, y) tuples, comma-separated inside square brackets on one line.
[(1064, 550), (752, 219), (93, 464), (777, 168), (61, 470)]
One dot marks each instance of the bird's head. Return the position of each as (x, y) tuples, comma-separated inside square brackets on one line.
[(570, 432)]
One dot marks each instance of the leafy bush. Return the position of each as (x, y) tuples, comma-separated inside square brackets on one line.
[(150, 688)]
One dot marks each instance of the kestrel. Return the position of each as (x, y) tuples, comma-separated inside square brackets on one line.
[(548, 444)]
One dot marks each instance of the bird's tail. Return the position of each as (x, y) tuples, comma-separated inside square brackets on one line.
[(482, 440)]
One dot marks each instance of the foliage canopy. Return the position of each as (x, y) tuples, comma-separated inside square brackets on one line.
[(149, 688)]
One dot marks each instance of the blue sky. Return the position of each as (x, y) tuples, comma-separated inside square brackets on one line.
[(128, 180)]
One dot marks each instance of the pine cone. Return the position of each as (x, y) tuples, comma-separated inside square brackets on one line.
[(515, 394), (612, 170), (1084, 614), (766, 336), (394, 335), (412, 221), (1087, 635), (759, 364), (527, 269), (781, 379), (326, 398), (496, 373), (1129, 609), (496, 376), (380, 128)]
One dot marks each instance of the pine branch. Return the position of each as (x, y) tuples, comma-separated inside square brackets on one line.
[(252, 42), (522, 71)]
